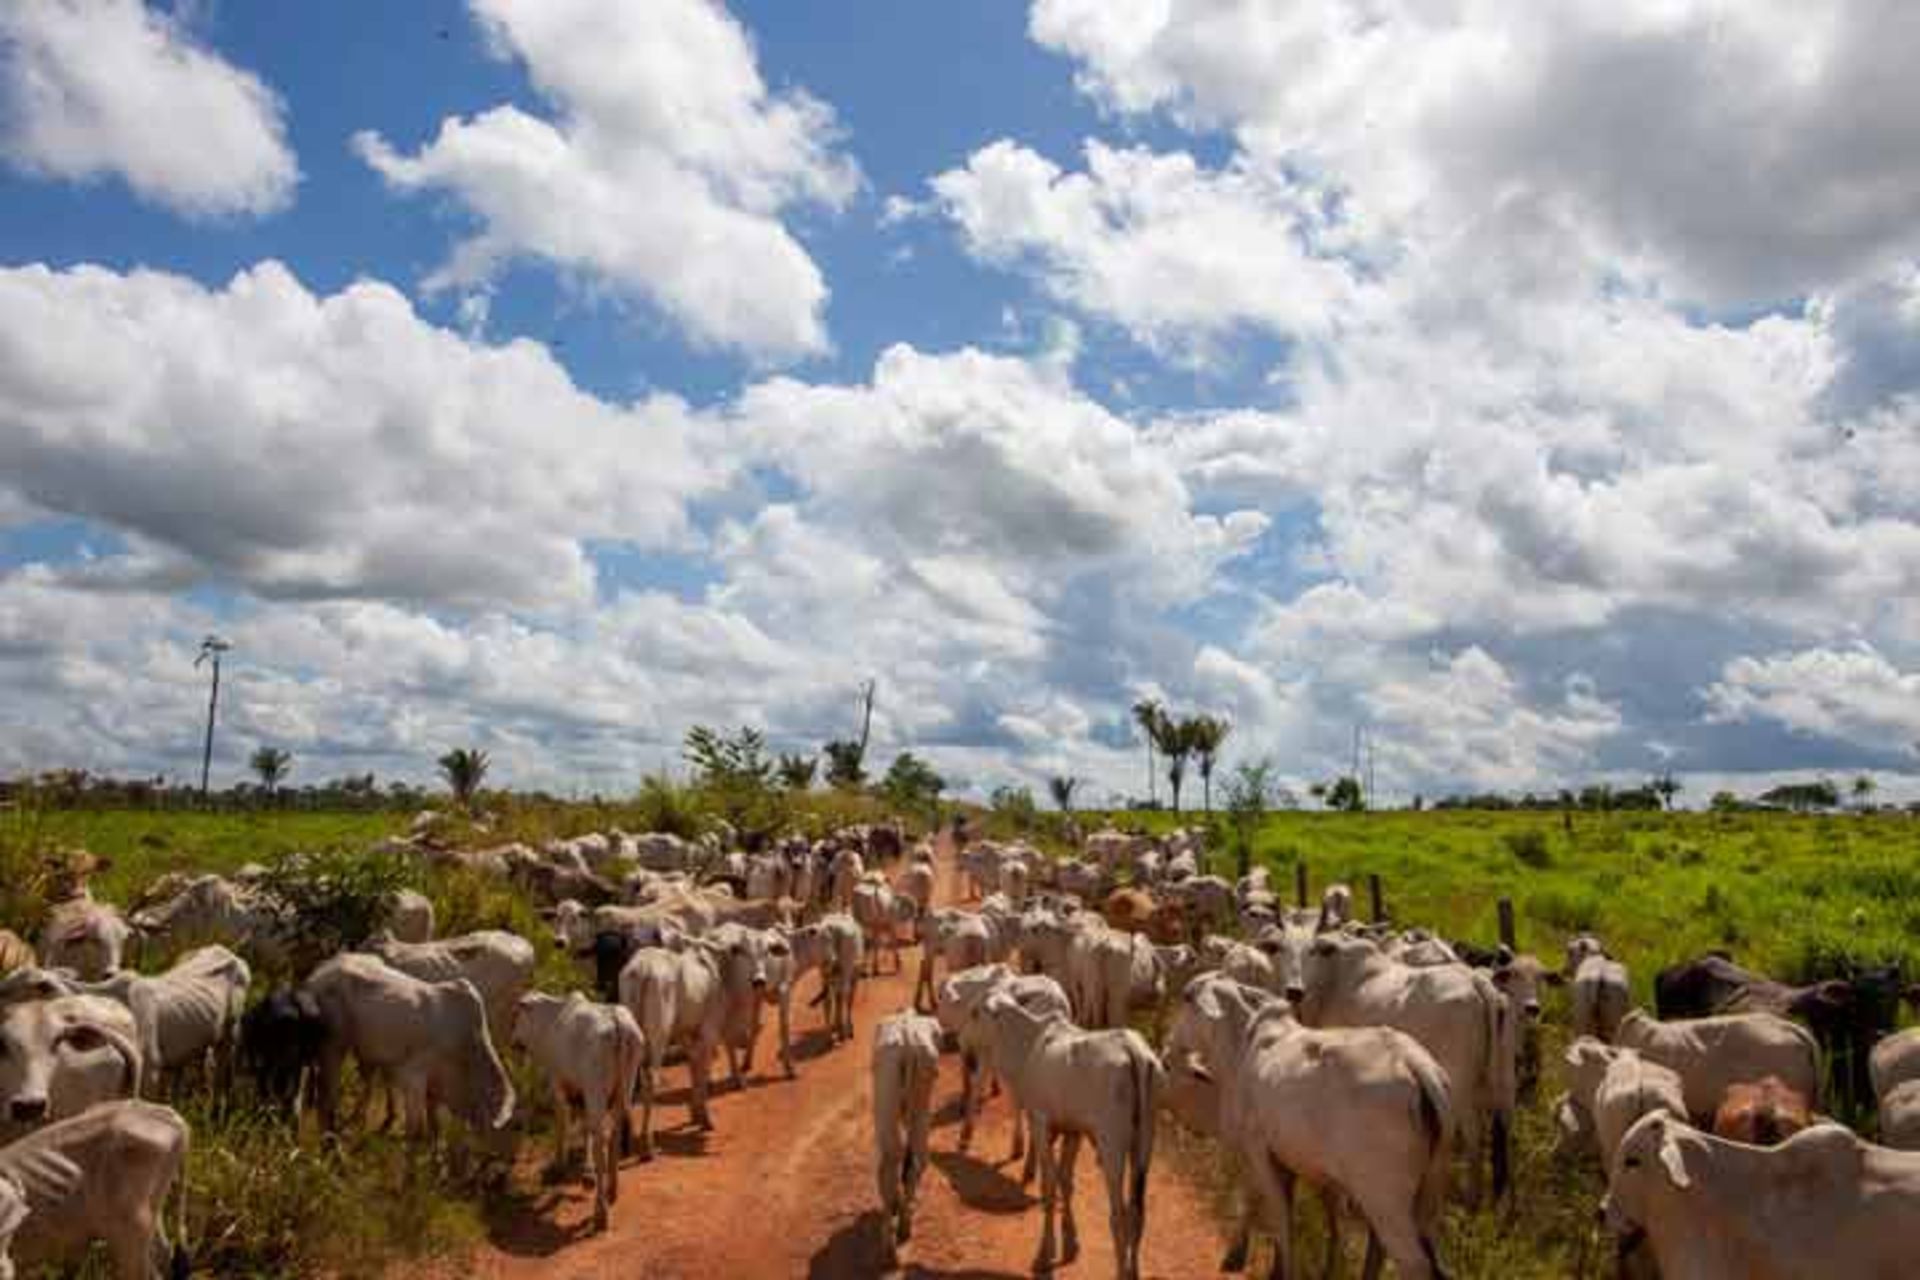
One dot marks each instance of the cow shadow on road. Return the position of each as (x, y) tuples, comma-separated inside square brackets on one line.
[(858, 1250), (980, 1185)]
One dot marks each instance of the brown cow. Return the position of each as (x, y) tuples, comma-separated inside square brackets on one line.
[(14, 953), (1129, 910), (1762, 1114)]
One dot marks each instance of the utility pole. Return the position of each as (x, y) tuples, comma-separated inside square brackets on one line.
[(866, 715), (210, 650)]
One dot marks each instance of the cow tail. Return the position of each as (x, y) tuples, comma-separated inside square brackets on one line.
[(1434, 1114), (181, 1266), (1498, 1080), (1147, 1075)]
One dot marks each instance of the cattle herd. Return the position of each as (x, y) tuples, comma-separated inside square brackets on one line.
[(1379, 1065)]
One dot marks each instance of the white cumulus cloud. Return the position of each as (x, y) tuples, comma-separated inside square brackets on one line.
[(99, 88), (662, 173)]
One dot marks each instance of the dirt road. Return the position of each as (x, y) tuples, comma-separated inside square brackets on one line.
[(784, 1186)]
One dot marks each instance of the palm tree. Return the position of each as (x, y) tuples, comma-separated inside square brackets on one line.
[(1151, 717), (1176, 744), (797, 771), (271, 763), (1863, 789), (464, 768), (1208, 734), (1062, 791)]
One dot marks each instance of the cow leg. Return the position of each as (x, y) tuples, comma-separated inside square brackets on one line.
[(699, 1062), (327, 1084), (599, 1163), (917, 1144), (1069, 1156), (562, 1113), (1502, 1125), (133, 1247), (1120, 1210), (1330, 1203), (1273, 1192), (649, 1072), (1043, 1261), (786, 1032)]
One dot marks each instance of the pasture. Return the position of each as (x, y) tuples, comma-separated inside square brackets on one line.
[(1792, 895)]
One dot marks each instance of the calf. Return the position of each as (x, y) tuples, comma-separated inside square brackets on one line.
[(103, 1175), (1762, 1114), (428, 1038), (906, 1059), (1823, 1203), (1609, 1089), (62, 1055), (1288, 1100), (684, 998), (1101, 1085), (281, 1039), (1712, 1054), (592, 1055)]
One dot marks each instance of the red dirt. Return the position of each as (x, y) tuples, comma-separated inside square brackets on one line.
[(784, 1186)]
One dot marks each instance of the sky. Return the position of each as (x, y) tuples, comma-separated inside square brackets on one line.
[(1534, 388)]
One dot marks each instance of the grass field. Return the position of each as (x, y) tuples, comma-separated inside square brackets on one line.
[(1791, 895)]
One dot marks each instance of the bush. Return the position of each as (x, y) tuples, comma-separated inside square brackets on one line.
[(661, 806), (1529, 848), (335, 900), (1574, 910)]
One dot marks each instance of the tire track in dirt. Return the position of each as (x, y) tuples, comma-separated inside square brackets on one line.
[(784, 1185)]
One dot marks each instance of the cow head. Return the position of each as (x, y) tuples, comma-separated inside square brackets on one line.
[(1652, 1162), (41, 1041)]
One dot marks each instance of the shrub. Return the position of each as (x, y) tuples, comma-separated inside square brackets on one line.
[(336, 899), (661, 806), (1529, 848), (1573, 910)]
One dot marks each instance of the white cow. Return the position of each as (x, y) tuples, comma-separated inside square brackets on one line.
[(189, 1015), (961, 939), (916, 883), (410, 915), (1601, 992), (498, 964), (686, 998), (84, 935), (1364, 1111), (1895, 1070), (1076, 1084), (428, 1038), (1727, 1049), (844, 948), (103, 1175), (906, 1059), (1609, 1089), (1821, 1205), (593, 1055), (60, 1056), (845, 872), (1336, 906), (1456, 1012), (881, 914), (962, 998)]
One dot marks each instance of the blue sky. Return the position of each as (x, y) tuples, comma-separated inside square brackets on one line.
[(556, 376)]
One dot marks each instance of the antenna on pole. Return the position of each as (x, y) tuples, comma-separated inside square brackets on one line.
[(210, 650)]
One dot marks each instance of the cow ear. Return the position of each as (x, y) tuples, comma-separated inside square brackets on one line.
[(1674, 1161)]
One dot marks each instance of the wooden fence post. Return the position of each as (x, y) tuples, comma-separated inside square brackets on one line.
[(1373, 898), (1506, 924), (1300, 883)]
